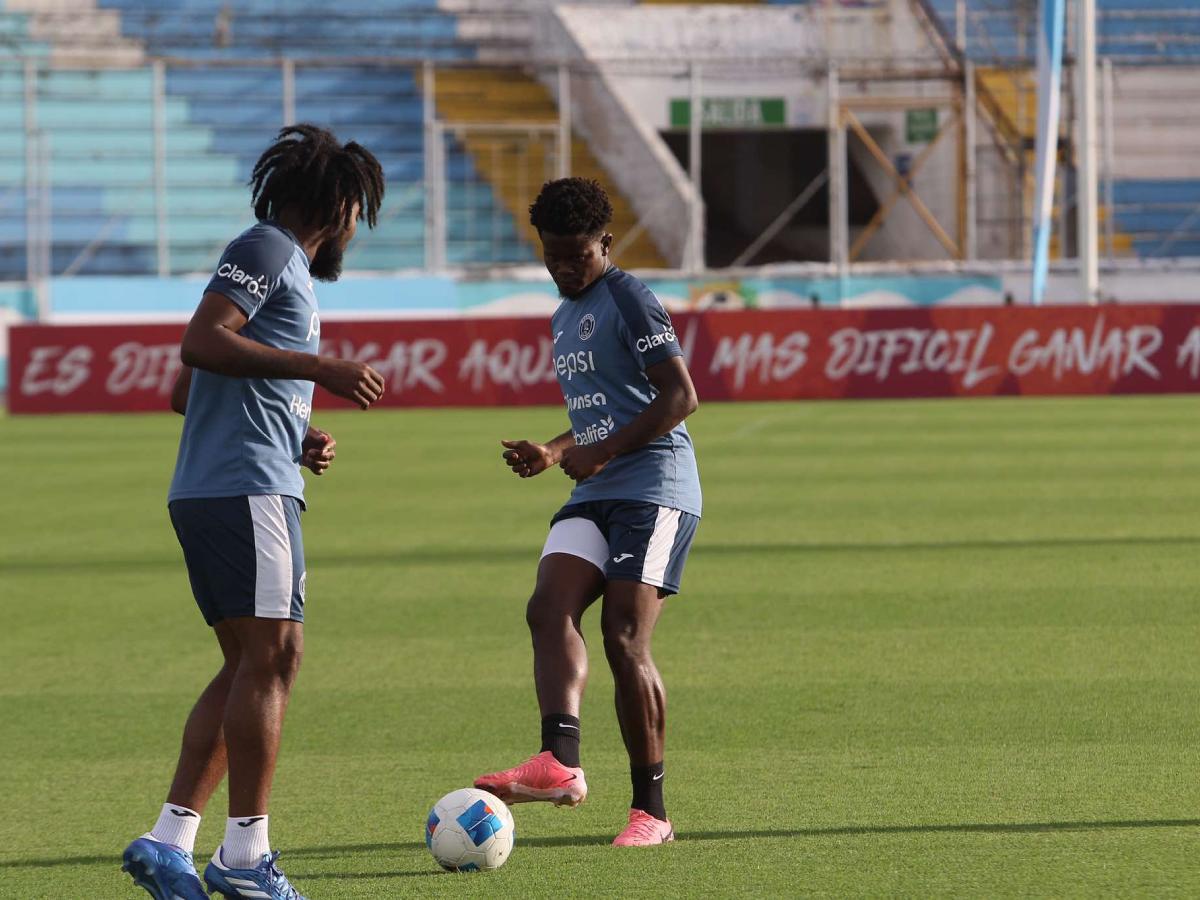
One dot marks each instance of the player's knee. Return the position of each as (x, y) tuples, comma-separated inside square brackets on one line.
[(624, 641), (230, 665), (278, 662), (287, 662), (541, 614)]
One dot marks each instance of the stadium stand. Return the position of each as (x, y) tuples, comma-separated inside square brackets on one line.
[(95, 146), (97, 149), (514, 170), (98, 128), (1156, 190)]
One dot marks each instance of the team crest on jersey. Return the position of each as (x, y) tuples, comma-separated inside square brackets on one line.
[(587, 326)]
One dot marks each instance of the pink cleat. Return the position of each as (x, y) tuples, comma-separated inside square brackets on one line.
[(644, 830), (541, 777)]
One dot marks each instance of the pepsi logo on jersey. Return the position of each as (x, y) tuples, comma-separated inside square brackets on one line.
[(570, 364)]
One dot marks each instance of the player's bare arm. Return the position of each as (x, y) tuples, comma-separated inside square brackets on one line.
[(179, 392), (529, 458), (676, 401), (212, 342)]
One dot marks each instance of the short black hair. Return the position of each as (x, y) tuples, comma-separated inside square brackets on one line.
[(571, 206), (308, 168)]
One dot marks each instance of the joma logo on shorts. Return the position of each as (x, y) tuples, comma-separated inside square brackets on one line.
[(254, 284)]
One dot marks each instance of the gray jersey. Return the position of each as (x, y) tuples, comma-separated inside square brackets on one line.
[(604, 340), (242, 436)]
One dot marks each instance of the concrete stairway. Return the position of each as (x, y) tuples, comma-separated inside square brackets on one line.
[(517, 169)]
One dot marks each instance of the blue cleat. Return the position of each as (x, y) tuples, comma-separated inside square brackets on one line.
[(164, 870), (264, 882)]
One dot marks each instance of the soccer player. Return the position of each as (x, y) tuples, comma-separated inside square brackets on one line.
[(631, 517), (250, 357)]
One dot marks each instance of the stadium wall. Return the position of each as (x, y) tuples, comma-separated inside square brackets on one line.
[(527, 293), (738, 355), (782, 55)]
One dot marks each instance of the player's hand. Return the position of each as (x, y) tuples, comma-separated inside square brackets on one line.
[(527, 458), (582, 462), (317, 450), (351, 380)]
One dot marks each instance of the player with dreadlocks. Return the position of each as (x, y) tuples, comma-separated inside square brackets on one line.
[(245, 391), (624, 533)]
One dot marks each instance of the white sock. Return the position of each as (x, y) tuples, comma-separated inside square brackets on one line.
[(245, 842), (177, 825)]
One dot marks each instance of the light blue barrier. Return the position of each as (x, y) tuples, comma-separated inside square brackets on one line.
[(439, 296), (16, 303)]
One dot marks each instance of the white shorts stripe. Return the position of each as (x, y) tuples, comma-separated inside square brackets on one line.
[(273, 558), (577, 537), (658, 552)]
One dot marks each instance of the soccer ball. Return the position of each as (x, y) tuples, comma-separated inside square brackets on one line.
[(469, 830)]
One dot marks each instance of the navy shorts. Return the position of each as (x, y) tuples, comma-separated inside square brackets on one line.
[(244, 555), (627, 540)]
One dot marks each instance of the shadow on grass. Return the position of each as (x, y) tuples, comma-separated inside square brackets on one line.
[(585, 840), (357, 876), (443, 555)]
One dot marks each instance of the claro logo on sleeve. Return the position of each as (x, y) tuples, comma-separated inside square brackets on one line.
[(651, 341), (256, 285)]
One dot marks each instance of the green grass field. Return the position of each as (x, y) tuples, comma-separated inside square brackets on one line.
[(923, 648)]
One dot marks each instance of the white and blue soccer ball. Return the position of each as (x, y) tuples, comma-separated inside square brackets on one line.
[(469, 830)]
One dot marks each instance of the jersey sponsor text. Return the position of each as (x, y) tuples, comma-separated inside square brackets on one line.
[(596, 432), (586, 401), (656, 340), (299, 408), (254, 284), (572, 364)]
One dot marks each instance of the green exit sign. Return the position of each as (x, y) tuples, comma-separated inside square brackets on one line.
[(731, 112), (920, 125)]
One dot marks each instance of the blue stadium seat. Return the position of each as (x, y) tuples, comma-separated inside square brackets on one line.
[(1133, 31), (1162, 215), (99, 145)]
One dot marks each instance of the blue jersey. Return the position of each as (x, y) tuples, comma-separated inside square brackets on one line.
[(604, 340), (242, 436)]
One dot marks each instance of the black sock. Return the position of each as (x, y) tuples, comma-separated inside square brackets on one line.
[(560, 735), (647, 789)]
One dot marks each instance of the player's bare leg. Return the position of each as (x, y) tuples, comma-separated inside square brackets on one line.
[(161, 860), (566, 586), (254, 711), (630, 612), (202, 759)]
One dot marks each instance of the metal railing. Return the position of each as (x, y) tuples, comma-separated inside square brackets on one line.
[(142, 170), (1003, 32)]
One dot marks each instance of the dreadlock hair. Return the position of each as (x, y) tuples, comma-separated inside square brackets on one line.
[(308, 168), (571, 206)]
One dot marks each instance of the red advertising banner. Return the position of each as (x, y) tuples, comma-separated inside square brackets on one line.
[(746, 355)]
